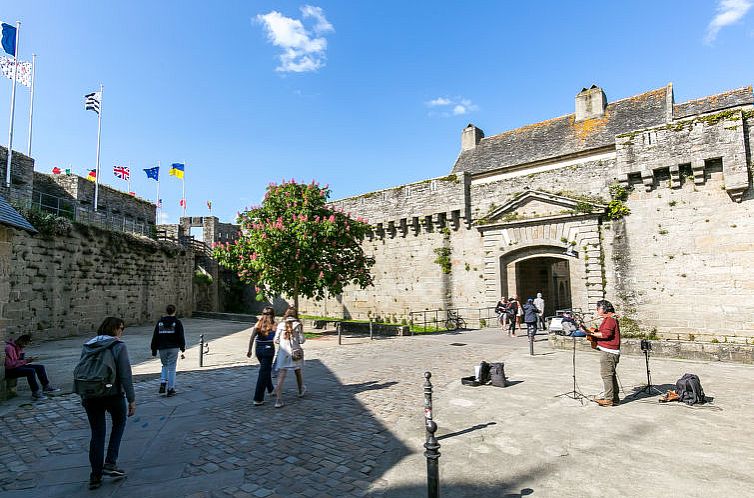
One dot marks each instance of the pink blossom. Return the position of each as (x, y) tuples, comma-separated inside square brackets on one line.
[(321, 274), (332, 218)]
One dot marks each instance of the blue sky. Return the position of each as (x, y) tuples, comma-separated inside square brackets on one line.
[(366, 95)]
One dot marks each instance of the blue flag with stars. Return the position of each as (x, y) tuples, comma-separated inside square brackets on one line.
[(153, 173), (9, 39)]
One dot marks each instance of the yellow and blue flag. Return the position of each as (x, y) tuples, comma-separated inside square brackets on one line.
[(176, 170)]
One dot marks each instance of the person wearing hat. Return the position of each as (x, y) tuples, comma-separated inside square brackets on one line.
[(531, 316)]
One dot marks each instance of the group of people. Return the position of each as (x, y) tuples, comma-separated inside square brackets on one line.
[(288, 335), (511, 313)]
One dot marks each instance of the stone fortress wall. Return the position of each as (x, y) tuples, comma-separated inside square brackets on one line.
[(515, 201)]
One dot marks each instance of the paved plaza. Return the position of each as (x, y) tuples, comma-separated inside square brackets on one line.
[(359, 430)]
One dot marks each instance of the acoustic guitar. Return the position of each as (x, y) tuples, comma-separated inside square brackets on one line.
[(589, 331)]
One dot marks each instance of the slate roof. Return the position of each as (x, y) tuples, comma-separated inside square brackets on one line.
[(10, 217), (725, 100), (563, 136)]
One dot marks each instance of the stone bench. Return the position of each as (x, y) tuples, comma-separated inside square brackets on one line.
[(10, 387)]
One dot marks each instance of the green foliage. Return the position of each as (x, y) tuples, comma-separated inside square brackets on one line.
[(616, 208), (583, 207), (202, 278), (443, 259), (46, 223), (714, 340), (297, 245), (482, 323)]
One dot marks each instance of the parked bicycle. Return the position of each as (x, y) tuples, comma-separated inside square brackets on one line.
[(453, 321)]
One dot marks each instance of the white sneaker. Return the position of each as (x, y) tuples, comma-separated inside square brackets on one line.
[(279, 404)]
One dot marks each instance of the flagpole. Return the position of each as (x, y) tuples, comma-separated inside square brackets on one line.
[(129, 177), (99, 131), (158, 192), (12, 106), (183, 188), (31, 100)]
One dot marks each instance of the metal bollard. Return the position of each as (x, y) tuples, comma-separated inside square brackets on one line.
[(432, 445), (371, 332), (338, 327), (531, 343), (201, 350)]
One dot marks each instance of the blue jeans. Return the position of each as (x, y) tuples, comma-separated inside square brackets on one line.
[(265, 355), (531, 328), (29, 371), (95, 411), (169, 359)]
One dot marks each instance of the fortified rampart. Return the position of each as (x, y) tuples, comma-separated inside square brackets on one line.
[(501, 222)]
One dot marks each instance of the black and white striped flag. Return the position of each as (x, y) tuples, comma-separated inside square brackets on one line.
[(92, 101)]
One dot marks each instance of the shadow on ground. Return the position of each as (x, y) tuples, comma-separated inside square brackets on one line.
[(209, 438)]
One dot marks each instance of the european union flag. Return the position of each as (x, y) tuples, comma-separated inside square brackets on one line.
[(9, 39), (153, 173)]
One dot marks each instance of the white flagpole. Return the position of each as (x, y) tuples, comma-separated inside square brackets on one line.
[(158, 193), (31, 100), (99, 130), (12, 107), (183, 182), (129, 177)]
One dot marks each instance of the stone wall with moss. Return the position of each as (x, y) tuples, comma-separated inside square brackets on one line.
[(66, 279)]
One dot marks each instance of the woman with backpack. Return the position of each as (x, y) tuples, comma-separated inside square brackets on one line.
[(101, 395), (264, 335), (289, 337)]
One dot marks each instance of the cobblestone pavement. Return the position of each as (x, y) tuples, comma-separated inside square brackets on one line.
[(358, 432)]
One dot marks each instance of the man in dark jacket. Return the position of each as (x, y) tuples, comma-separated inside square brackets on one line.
[(168, 338), (531, 316), (112, 402)]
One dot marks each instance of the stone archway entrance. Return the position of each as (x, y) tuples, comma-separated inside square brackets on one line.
[(548, 275)]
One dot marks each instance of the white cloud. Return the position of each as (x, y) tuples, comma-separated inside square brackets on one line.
[(455, 106), (302, 49), (728, 12)]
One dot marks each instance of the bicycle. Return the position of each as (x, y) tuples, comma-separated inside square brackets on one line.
[(453, 321)]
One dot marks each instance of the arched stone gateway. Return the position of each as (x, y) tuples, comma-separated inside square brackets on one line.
[(549, 243)]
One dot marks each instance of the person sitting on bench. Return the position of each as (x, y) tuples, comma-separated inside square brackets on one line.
[(16, 366)]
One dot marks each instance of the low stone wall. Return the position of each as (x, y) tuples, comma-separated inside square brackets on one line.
[(686, 350), (235, 317)]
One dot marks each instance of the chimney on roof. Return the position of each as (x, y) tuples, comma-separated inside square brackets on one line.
[(470, 137), (590, 103)]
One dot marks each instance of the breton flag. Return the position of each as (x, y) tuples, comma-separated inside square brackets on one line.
[(122, 172), (9, 39), (153, 173), (176, 170), (24, 70), (93, 101)]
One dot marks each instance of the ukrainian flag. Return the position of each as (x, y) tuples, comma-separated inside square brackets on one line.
[(176, 169)]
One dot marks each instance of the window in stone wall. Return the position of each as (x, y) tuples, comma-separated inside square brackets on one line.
[(407, 191), (433, 185), (634, 178)]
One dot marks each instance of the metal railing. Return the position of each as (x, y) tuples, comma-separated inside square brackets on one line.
[(74, 211), (452, 318)]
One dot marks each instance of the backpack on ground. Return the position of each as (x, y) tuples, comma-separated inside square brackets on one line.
[(94, 376), (497, 375), (689, 389), (484, 373)]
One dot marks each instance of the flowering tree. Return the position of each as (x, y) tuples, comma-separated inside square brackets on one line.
[(297, 245)]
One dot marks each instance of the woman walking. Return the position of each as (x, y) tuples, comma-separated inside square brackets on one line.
[(112, 402), (168, 338), (264, 334), (289, 337)]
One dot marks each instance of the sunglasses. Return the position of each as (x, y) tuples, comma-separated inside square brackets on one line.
[(268, 313)]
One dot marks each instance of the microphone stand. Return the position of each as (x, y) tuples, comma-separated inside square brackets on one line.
[(574, 393)]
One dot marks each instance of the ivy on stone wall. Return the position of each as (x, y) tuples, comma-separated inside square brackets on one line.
[(443, 259), (616, 208)]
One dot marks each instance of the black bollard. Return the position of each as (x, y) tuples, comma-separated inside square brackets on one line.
[(531, 343), (427, 401), (201, 350), (432, 446), (371, 332), (338, 327)]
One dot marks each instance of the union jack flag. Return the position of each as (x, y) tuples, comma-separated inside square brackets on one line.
[(122, 172)]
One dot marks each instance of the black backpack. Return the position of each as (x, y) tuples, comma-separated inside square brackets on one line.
[(484, 373), (95, 374), (689, 389), (497, 375)]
